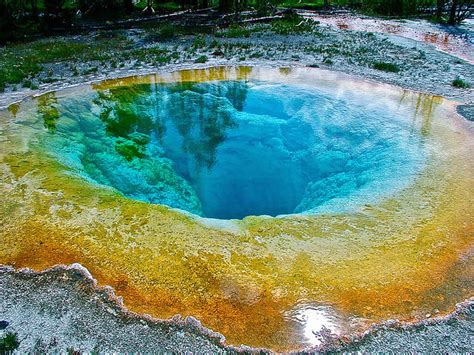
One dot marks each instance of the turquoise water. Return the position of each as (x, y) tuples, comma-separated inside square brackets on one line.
[(229, 149)]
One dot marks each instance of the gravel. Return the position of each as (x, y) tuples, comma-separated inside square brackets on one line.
[(62, 309)]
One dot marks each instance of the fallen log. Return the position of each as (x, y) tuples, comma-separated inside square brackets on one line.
[(261, 19)]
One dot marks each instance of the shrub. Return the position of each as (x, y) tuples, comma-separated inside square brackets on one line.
[(201, 59), (167, 32), (9, 343), (459, 83), (388, 67), (292, 24)]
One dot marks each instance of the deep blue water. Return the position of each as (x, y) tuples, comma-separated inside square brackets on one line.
[(230, 149)]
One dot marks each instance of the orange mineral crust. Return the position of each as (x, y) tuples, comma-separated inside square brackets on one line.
[(270, 282)]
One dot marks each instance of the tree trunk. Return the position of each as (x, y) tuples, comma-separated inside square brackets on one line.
[(326, 4), (452, 12), (397, 8), (128, 6), (149, 7), (34, 8), (440, 9), (225, 6)]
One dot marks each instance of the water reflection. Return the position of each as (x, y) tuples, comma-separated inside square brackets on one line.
[(316, 323), (424, 108), (159, 123), (13, 109), (47, 108), (197, 113)]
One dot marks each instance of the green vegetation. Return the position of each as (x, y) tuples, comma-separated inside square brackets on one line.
[(328, 61), (20, 63), (234, 31), (199, 42), (459, 83), (291, 25), (316, 4), (201, 59), (26, 18), (167, 32), (8, 343), (54, 59), (388, 67)]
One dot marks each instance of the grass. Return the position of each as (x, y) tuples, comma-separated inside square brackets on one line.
[(21, 62), (199, 42), (234, 31), (151, 55), (460, 83), (303, 5), (328, 61), (9, 343), (387, 67)]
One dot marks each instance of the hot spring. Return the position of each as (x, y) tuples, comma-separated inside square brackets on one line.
[(162, 186), (233, 148)]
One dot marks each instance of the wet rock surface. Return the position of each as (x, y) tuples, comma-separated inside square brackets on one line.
[(467, 111)]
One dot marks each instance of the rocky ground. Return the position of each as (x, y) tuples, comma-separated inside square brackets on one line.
[(62, 310), (452, 334)]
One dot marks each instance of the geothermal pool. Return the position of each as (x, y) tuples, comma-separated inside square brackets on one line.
[(230, 149), (270, 204)]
